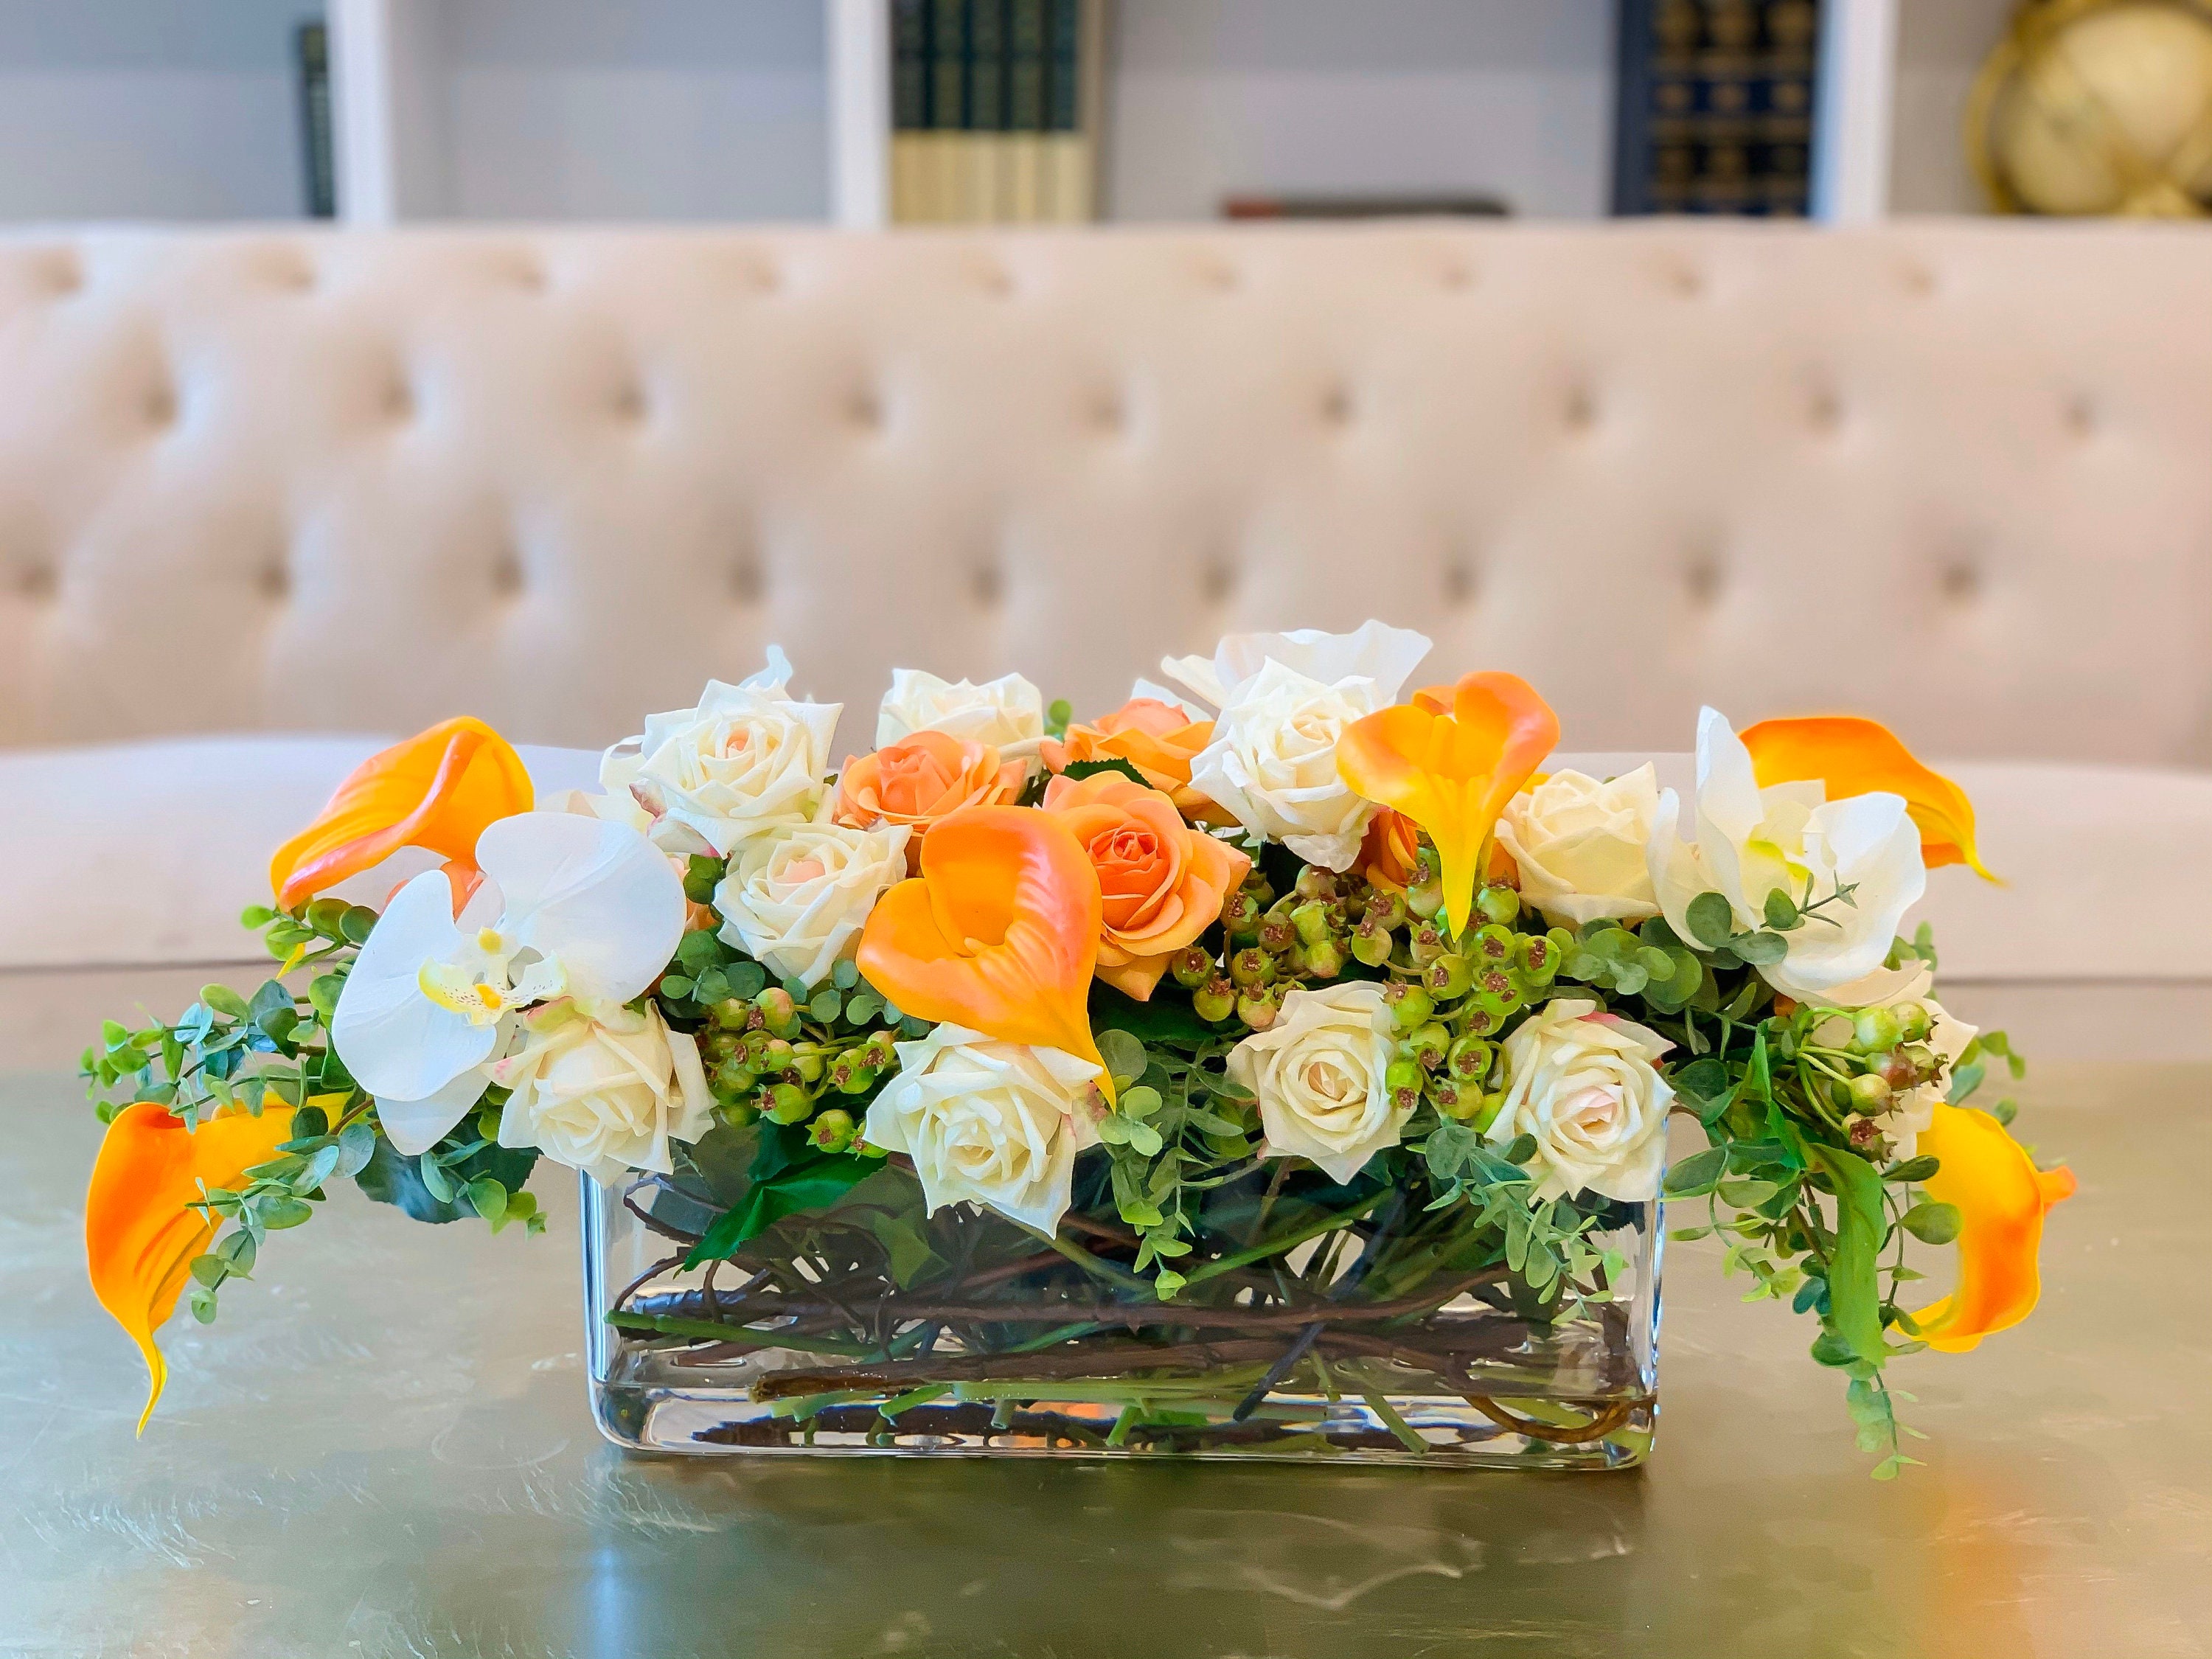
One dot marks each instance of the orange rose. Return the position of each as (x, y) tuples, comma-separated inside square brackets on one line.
[(1159, 739), (1160, 882), (921, 780)]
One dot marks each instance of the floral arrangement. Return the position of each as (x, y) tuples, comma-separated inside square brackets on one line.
[(1269, 1039)]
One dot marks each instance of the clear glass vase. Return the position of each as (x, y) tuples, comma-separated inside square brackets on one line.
[(851, 1333)]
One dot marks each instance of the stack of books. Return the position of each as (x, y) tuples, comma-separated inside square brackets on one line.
[(992, 111), (1717, 106)]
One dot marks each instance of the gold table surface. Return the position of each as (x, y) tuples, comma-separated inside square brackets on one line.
[(382, 1448)]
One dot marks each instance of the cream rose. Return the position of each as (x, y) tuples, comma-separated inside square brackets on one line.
[(1586, 1086), (604, 1089), (1007, 713), (1580, 845), (1318, 1071), (1284, 700), (996, 1124), (1749, 842), (748, 758), (796, 898)]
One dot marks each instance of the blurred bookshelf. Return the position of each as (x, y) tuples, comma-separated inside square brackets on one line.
[(874, 112)]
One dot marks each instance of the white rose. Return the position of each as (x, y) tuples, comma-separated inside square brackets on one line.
[(796, 898), (1580, 845), (1751, 842), (1912, 1110), (997, 1124), (1318, 1071), (1585, 1084), (1007, 713), (1271, 764), (604, 1089), (746, 759)]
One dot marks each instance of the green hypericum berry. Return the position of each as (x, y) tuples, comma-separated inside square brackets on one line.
[(1425, 895), (1499, 902), (1316, 882), (1897, 1070), (1251, 966), (1925, 1061), (789, 1104), (1214, 1001), (1872, 1030), (738, 1113), (1325, 959), (833, 1131), (1469, 1058), (1449, 977), (1427, 944), (734, 1076), (1404, 1072), (1409, 1005), (1256, 1009), (779, 1013), (1480, 1021), (1240, 915), (1487, 1115), (1913, 1021), (880, 1052), (1494, 945), (715, 1047), (1537, 957), (1310, 921), (732, 1013), (1430, 1045), (1497, 992), (1449, 1098), (1869, 1093), (1386, 908), (809, 1064), (1192, 968), (1370, 944)]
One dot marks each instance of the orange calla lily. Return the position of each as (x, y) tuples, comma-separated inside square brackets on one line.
[(2003, 1198), (1854, 757), (1450, 760), (998, 933), (140, 1235), (437, 790)]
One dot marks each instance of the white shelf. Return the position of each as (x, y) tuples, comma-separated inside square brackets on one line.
[(711, 110)]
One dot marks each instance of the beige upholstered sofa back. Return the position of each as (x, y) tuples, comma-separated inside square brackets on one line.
[(1958, 476)]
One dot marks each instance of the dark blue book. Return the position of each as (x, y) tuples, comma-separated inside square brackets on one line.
[(1715, 107)]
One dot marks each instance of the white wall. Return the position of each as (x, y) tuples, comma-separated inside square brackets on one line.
[(1218, 97), (1940, 46), (168, 109), (646, 109)]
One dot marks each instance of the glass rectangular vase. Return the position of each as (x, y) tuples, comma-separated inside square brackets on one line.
[(807, 1343)]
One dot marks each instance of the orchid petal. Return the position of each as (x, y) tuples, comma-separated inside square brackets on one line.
[(1454, 773), (999, 931), (1853, 756), (396, 1043), (140, 1233), (600, 899), (437, 790), (2001, 1198), (414, 1127)]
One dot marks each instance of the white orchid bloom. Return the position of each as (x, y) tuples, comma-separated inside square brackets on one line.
[(570, 906), (1749, 842), (1374, 651)]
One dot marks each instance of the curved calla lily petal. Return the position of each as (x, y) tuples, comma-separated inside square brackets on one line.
[(1452, 772), (998, 933), (437, 790), (597, 897), (399, 1043), (140, 1235), (2003, 1198), (1853, 757)]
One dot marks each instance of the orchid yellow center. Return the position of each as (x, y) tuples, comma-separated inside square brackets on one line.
[(479, 982)]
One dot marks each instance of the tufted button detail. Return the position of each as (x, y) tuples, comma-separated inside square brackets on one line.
[(1703, 580), (160, 406), (1109, 410), (1581, 410), (290, 269), (1824, 409), (1220, 274), (764, 279), (1460, 583), (2081, 415), (1336, 405), (1688, 280), (988, 584), (61, 272), (1961, 582), (1216, 581), (1918, 279), (746, 584), (630, 404), (38, 582), (1456, 276), (274, 582), (528, 272), (866, 408), (996, 279), (507, 575), (399, 400)]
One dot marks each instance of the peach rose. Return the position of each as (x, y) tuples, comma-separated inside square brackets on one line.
[(917, 781), (1158, 739), (1161, 882)]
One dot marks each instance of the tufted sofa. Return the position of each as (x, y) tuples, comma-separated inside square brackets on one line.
[(265, 493)]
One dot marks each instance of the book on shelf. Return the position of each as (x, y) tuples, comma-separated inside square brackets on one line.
[(1408, 206), (311, 59), (994, 110), (1715, 113)]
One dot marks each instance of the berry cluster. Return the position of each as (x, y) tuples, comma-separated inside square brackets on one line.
[(1858, 1069)]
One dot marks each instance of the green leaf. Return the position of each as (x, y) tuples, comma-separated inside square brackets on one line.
[(1145, 1139), (1519, 1150), (1167, 1018), (1696, 1175), (1964, 1082), (1141, 1102), (1912, 1170), (745, 979), (803, 1184), (1932, 1223), (2005, 1110), (489, 1200), (1712, 919), (357, 923), (846, 975), (211, 1270), (223, 1000), (702, 873), (1089, 768), (1761, 950), (826, 1005), (1659, 965), (1781, 911), (862, 1006), (281, 1210), (1449, 1148), (1829, 1349), (255, 917), (675, 986), (1861, 1222), (1124, 1054), (391, 1177)]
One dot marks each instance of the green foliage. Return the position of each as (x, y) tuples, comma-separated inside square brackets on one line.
[(789, 1176)]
